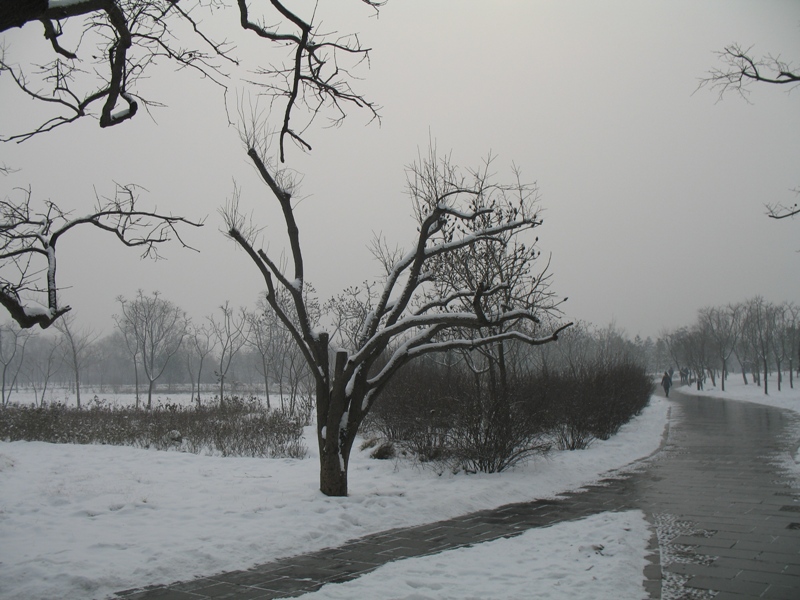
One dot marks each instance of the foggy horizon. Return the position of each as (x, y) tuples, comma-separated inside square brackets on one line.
[(652, 190)]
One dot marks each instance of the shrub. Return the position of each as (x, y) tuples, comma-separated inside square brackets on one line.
[(449, 416), (236, 427), (440, 416), (384, 451), (590, 402)]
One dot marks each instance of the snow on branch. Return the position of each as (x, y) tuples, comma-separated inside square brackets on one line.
[(29, 237), (467, 283)]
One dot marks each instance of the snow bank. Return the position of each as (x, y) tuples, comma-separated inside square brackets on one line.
[(81, 522)]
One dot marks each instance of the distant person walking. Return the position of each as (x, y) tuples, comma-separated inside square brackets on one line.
[(666, 383)]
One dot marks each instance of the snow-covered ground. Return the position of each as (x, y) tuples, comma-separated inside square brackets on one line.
[(735, 389), (597, 557), (86, 521)]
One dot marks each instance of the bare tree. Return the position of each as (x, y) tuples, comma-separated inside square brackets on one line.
[(113, 360), (260, 336), (402, 318), (12, 352), (759, 328), (29, 238), (77, 349), (159, 328), (691, 346), (783, 323), (230, 336), (201, 344), (132, 345), (115, 43), (722, 324), (45, 358), (740, 68), (674, 346), (792, 338)]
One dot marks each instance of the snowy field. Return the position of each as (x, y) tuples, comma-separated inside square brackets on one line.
[(735, 389), (86, 521)]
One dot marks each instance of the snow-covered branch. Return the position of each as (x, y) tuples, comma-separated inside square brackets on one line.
[(466, 284), (28, 237)]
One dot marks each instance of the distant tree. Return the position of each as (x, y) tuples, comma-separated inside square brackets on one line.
[(402, 317), (760, 329), (159, 328), (201, 343), (29, 237), (77, 349), (44, 359), (132, 345), (691, 347), (575, 350), (792, 338), (722, 325), (782, 317), (675, 346), (661, 356), (260, 337), (230, 335), (113, 360), (12, 353)]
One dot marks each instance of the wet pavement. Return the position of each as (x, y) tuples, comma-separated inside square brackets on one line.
[(724, 515)]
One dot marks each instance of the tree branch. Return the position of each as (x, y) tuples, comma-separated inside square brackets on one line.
[(25, 235)]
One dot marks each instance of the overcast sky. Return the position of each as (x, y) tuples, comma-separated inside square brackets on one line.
[(653, 193)]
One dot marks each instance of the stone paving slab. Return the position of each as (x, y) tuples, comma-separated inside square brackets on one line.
[(726, 523)]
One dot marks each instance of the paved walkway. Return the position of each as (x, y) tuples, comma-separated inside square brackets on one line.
[(726, 522)]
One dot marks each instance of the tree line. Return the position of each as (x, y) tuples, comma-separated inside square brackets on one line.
[(754, 337), (156, 344)]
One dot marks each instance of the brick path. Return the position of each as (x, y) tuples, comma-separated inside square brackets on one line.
[(726, 522)]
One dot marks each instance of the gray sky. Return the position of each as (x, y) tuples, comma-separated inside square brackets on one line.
[(653, 194)]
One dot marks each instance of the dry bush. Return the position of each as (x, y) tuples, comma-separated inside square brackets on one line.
[(236, 427), (444, 415)]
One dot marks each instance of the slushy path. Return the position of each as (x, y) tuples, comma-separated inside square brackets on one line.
[(725, 518)]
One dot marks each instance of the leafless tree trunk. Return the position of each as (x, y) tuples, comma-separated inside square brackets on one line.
[(159, 328), (229, 334), (722, 325), (792, 338), (132, 345), (78, 346), (260, 336), (12, 352), (403, 316), (201, 345), (44, 361), (760, 329)]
